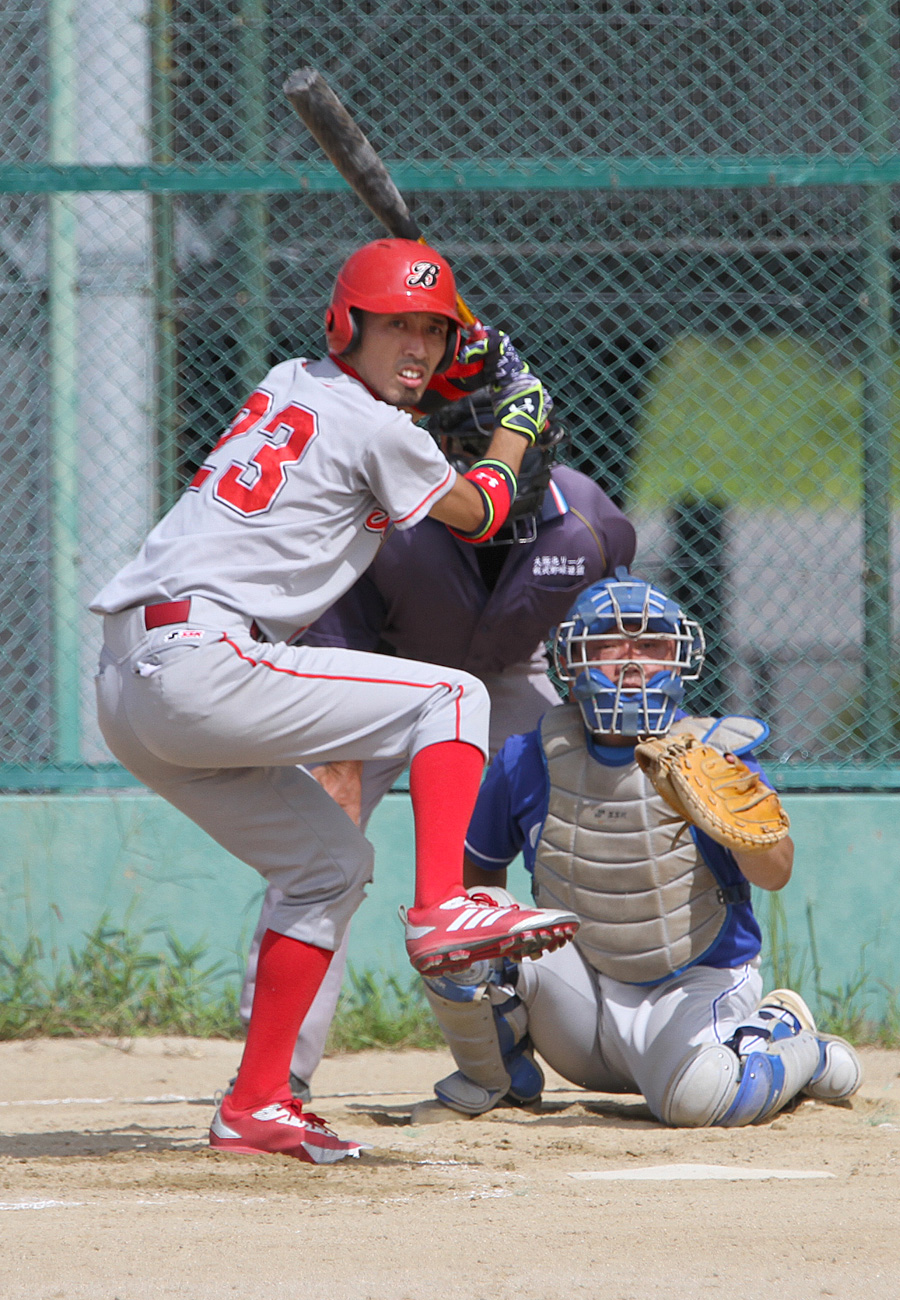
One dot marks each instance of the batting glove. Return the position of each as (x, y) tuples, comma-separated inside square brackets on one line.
[(476, 361), (509, 363), (523, 406), (476, 365)]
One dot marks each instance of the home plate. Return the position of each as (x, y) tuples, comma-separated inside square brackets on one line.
[(674, 1173)]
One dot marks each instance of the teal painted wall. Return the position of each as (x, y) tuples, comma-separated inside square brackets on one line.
[(66, 860), (69, 859), (846, 888)]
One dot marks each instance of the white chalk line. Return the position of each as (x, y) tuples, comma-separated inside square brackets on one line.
[(676, 1173), (167, 1099), (159, 1202), (172, 1098), (39, 1205), (657, 1173)]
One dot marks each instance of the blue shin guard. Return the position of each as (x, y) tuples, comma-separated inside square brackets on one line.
[(759, 1092), (485, 1025), (715, 1086)]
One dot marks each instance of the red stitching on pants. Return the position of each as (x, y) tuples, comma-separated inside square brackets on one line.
[(372, 681)]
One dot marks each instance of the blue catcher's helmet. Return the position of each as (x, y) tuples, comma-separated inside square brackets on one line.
[(605, 613)]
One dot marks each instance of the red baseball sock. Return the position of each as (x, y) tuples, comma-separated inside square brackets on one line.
[(443, 784), (288, 976)]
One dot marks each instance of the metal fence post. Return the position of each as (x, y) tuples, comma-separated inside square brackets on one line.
[(62, 287), (253, 323), (697, 582), (162, 150), (875, 363)]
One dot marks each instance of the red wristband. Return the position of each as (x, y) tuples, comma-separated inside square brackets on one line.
[(497, 484)]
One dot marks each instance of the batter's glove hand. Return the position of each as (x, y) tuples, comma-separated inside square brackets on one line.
[(523, 405), (715, 792), (509, 363), (474, 367)]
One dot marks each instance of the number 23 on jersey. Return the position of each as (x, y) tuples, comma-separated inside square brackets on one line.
[(251, 487)]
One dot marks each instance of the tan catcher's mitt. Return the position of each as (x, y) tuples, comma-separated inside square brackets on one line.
[(723, 798)]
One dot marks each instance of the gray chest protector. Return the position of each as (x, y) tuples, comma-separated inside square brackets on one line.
[(610, 850)]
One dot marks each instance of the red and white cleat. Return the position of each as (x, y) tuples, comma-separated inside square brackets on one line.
[(452, 935), (278, 1127)]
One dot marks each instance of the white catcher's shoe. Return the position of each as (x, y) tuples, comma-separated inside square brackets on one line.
[(839, 1072)]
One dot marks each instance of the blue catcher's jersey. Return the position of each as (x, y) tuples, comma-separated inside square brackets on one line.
[(510, 813)]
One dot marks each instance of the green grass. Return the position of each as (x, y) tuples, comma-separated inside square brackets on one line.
[(767, 421), (121, 985), (380, 1011), (115, 987)]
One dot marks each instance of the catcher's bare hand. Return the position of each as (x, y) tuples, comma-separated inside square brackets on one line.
[(715, 792)]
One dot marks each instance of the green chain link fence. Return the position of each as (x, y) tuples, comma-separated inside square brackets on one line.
[(684, 212)]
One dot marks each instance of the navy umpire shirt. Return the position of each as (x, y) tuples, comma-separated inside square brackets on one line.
[(424, 596)]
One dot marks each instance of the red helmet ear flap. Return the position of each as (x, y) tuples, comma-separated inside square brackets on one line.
[(342, 332)]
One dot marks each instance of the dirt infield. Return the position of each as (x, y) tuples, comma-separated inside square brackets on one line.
[(110, 1192)]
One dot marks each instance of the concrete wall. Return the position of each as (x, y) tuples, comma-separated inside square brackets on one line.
[(67, 860)]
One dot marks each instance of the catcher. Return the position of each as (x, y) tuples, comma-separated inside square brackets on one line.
[(650, 825)]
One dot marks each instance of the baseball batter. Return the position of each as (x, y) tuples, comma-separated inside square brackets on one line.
[(660, 991), (205, 696), (429, 596)]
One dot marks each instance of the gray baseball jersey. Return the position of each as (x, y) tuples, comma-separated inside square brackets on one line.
[(291, 505)]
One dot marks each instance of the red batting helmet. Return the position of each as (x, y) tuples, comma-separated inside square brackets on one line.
[(392, 275)]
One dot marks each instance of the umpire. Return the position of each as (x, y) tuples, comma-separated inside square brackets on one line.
[(486, 609)]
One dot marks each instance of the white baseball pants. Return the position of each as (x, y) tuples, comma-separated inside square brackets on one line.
[(608, 1036), (217, 723), (519, 696)]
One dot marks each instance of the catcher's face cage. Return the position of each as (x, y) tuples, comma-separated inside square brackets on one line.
[(463, 431), (604, 615)]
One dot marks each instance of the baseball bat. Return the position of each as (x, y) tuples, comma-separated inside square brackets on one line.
[(353, 156)]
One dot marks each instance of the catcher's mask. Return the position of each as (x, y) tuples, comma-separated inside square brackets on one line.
[(463, 430), (387, 276), (604, 613)]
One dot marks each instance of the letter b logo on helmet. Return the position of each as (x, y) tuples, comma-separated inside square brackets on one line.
[(423, 275), (387, 276)]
